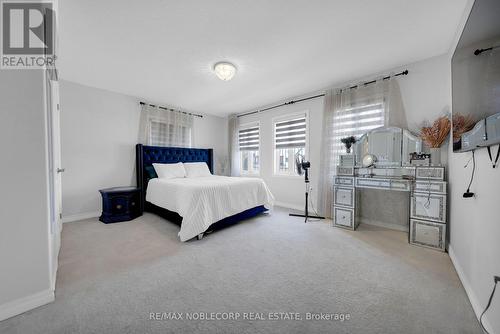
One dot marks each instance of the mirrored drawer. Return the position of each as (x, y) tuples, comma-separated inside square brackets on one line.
[(343, 217), (372, 183), (430, 173), (428, 206), (430, 186), (428, 234), (402, 185), (343, 196), (343, 181), (342, 170)]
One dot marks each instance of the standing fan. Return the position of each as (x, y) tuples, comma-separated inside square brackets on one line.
[(303, 168)]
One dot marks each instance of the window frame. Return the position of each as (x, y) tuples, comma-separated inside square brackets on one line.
[(245, 126), (281, 118), (159, 120)]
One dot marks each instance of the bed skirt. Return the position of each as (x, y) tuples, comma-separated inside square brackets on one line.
[(175, 218)]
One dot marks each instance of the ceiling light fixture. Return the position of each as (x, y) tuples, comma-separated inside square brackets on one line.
[(224, 70)]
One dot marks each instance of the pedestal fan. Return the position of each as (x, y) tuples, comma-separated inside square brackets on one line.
[(303, 168)]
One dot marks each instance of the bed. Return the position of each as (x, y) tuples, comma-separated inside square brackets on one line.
[(197, 205)]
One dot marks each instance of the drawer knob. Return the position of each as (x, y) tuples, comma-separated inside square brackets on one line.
[(118, 206), (343, 217), (133, 203)]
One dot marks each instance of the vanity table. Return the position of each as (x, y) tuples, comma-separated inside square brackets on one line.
[(393, 171)]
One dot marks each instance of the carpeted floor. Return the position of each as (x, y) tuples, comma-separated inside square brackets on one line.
[(111, 277)]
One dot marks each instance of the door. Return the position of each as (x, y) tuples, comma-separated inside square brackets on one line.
[(56, 155), (55, 174)]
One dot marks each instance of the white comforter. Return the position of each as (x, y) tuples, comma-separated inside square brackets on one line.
[(202, 201)]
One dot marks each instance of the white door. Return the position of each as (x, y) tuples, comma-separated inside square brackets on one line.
[(56, 170)]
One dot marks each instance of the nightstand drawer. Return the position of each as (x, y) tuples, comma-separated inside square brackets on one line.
[(120, 204)]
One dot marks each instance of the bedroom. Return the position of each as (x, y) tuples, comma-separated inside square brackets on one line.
[(200, 255)]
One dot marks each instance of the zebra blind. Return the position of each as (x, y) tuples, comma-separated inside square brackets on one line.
[(357, 121), (290, 133), (249, 139)]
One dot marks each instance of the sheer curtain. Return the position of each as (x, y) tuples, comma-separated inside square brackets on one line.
[(234, 150), (162, 127), (353, 112)]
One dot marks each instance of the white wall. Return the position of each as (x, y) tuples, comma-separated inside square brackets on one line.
[(24, 216), (99, 132), (475, 225), (425, 95)]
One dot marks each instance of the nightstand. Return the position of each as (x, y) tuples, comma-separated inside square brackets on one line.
[(120, 204)]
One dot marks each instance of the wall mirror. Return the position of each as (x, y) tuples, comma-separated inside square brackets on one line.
[(391, 146)]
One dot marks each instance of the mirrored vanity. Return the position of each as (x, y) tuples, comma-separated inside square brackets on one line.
[(382, 161)]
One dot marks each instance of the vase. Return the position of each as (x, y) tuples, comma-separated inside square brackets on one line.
[(435, 156), (348, 150)]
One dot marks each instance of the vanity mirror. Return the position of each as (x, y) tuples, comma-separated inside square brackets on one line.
[(391, 147)]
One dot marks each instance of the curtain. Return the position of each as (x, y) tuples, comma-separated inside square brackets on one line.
[(162, 127), (234, 150), (353, 112)]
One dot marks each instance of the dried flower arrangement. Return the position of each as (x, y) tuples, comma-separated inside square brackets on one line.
[(434, 135), (348, 141), (461, 124)]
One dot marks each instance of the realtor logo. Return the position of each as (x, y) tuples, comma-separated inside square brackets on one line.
[(27, 34)]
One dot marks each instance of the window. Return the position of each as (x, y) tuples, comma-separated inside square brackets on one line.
[(166, 134), (290, 139), (249, 140), (356, 121)]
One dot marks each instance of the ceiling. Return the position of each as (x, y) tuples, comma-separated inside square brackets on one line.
[(163, 51)]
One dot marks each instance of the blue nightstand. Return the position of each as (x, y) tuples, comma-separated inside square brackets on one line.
[(120, 204)]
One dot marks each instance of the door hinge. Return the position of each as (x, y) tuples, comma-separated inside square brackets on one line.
[(58, 106), (60, 216)]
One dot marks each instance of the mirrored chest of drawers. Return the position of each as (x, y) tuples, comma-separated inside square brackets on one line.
[(427, 193)]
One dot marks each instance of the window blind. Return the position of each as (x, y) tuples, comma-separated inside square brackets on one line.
[(249, 139), (358, 120), (290, 133)]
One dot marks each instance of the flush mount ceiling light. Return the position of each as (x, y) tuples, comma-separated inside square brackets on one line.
[(224, 71)]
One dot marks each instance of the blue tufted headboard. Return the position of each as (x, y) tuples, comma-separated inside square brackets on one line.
[(147, 155)]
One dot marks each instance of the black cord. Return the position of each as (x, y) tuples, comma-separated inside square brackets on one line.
[(487, 307), (494, 162), (472, 175)]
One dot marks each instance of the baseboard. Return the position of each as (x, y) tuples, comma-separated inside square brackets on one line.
[(289, 206), (24, 304), (476, 306), (383, 224), (80, 216)]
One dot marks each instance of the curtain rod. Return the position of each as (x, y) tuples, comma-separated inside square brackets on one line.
[(165, 108), (405, 72), (479, 51), (281, 105)]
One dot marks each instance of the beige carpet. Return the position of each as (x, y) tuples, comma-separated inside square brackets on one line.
[(111, 277)]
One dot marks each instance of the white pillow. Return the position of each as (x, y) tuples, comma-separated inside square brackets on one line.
[(170, 171), (196, 169)]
